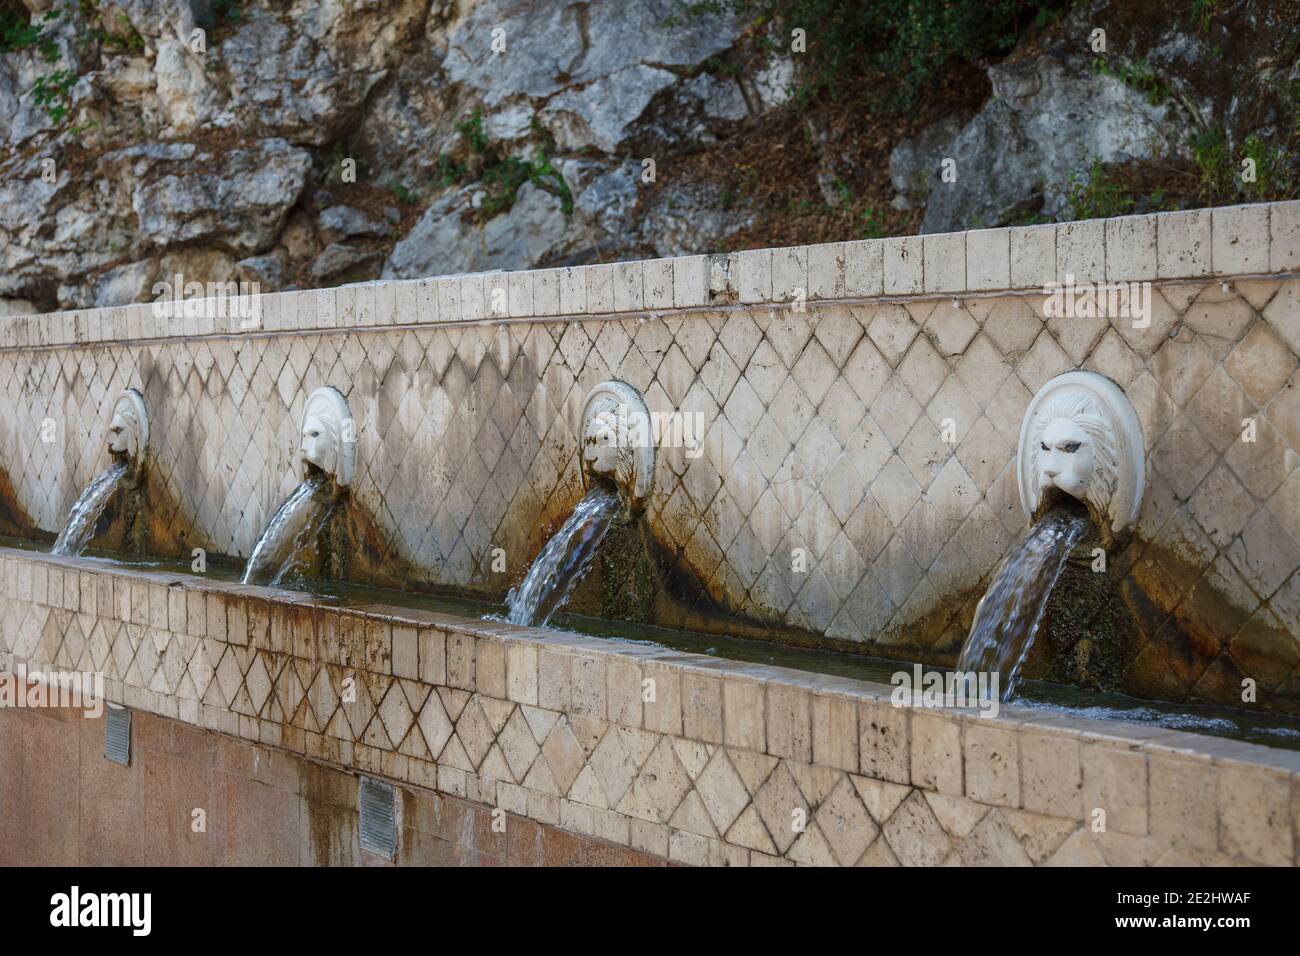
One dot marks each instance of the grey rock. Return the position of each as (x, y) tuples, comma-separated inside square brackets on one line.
[(280, 74), (687, 218), (914, 162), (140, 200), (697, 111), (351, 222), (268, 270), (609, 199), (589, 93), (237, 198), (125, 284), (1046, 113), (338, 258), (10, 307), (532, 232)]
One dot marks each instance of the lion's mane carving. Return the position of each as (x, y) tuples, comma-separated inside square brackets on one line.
[(1081, 410)]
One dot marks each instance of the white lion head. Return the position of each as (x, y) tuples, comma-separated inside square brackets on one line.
[(609, 442), (327, 439), (618, 440), (1074, 450), (128, 429), (1081, 436)]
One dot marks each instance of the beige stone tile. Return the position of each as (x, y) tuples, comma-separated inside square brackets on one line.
[(1131, 248), (663, 706), (789, 722), (1241, 239), (1033, 256), (658, 280), (554, 680), (1051, 778), (936, 753), (903, 265), (629, 286), (1081, 251), (460, 661), (1261, 363), (753, 275), (992, 766), (864, 267), (490, 668), (1115, 781), (1183, 803), (988, 259), (743, 717), (406, 652), (1183, 243), (835, 733), (701, 707), (521, 673), (884, 742), (945, 262), (722, 791), (826, 271), (915, 835), (589, 690), (1255, 816), (690, 281), (1078, 850), (433, 655), (573, 291), (1284, 231), (790, 274), (623, 693)]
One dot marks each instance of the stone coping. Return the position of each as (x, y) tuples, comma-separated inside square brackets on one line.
[(1229, 241), (1139, 737)]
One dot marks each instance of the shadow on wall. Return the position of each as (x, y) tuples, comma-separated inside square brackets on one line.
[(14, 521)]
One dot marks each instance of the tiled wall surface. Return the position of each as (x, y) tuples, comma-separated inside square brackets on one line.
[(824, 426), (729, 763)]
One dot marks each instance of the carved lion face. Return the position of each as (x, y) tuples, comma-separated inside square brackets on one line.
[(125, 431), (320, 437), (600, 447), (1066, 458), (1074, 451), (608, 444)]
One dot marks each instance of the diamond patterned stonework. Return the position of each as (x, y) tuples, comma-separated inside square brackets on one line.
[(874, 439)]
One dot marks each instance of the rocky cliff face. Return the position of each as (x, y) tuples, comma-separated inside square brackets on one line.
[(314, 142)]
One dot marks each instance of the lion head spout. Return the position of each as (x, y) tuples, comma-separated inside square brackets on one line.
[(618, 441), (1081, 437)]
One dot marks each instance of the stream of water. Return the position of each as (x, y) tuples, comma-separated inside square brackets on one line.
[(564, 561), (83, 517), (293, 527), (1008, 615)]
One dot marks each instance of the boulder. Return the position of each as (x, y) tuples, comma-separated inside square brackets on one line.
[(1048, 116), (586, 94), (533, 232)]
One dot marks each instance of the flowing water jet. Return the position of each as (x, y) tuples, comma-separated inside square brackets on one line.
[(328, 460), (618, 451), (1081, 460), (128, 446), (1009, 613), (565, 560)]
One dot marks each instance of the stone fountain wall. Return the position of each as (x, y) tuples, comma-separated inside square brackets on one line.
[(824, 434)]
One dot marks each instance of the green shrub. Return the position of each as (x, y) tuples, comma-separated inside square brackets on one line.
[(887, 52), (500, 176), (1097, 194)]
